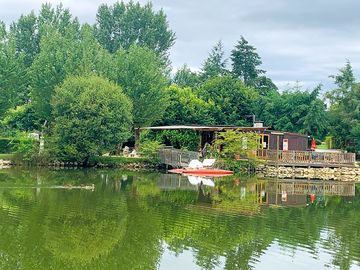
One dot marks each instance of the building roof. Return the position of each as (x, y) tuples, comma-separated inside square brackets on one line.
[(204, 128), (219, 128)]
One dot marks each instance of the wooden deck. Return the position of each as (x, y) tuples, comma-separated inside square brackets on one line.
[(176, 157), (307, 158), (181, 158)]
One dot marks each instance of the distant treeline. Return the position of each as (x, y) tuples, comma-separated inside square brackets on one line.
[(85, 87)]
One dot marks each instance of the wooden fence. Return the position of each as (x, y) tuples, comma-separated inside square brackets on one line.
[(176, 157), (307, 157)]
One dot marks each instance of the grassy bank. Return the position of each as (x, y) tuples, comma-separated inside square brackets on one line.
[(7, 156), (119, 161)]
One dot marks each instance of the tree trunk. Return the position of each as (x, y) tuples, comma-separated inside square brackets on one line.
[(137, 138)]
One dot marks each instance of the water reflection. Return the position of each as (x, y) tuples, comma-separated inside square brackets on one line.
[(150, 221)]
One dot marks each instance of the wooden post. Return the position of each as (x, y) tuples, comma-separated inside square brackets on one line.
[(277, 151), (137, 138)]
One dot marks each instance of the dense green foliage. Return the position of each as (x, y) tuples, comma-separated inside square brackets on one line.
[(91, 115), (233, 101), (185, 107), (139, 71), (236, 144), (344, 110), (129, 45), (295, 111), (124, 24)]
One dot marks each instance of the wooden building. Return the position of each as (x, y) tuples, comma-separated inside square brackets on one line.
[(269, 139)]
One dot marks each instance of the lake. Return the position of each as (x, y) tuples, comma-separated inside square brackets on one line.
[(158, 221)]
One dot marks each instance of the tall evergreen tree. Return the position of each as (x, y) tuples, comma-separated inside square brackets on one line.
[(344, 80), (215, 64), (245, 61)]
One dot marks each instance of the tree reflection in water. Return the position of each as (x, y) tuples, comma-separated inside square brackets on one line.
[(130, 218)]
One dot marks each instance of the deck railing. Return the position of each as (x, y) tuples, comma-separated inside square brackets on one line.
[(177, 157), (320, 188), (304, 157)]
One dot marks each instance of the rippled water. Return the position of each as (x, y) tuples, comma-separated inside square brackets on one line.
[(154, 221)]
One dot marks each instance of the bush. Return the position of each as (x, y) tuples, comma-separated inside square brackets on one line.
[(236, 144), (150, 149), (92, 116), (19, 144), (25, 148), (180, 139), (5, 145)]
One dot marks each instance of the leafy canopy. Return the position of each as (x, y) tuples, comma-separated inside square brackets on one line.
[(231, 98), (125, 24), (91, 116), (140, 73), (185, 107)]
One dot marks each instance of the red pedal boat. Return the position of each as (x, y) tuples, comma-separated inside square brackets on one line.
[(202, 172)]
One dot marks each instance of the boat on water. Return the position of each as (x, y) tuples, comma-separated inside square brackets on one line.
[(199, 168), (202, 172)]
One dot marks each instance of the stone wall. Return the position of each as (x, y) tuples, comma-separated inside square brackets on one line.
[(339, 174)]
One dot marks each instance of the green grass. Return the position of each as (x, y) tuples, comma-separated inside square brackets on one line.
[(118, 160), (7, 156)]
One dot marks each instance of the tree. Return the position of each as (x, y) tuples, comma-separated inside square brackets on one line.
[(49, 69), (215, 64), (26, 36), (62, 55), (185, 77), (263, 85), (92, 116), (139, 71), (2, 31), (89, 57), (345, 105), (295, 111), (344, 80), (245, 62), (125, 24), (185, 107), (13, 77), (234, 142), (316, 121), (231, 98), (29, 30)]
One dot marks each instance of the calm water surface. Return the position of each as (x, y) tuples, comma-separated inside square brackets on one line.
[(154, 221)]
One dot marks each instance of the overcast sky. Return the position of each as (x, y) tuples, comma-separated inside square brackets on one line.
[(298, 40)]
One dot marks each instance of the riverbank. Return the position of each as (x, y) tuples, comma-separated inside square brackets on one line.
[(338, 174), (126, 163)]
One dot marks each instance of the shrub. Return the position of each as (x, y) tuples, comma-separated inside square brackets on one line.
[(150, 149), (91, 116)]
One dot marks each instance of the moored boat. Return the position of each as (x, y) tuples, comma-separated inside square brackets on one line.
[(202, 171)]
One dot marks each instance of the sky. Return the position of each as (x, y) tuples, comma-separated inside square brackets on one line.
[(301, 41)]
